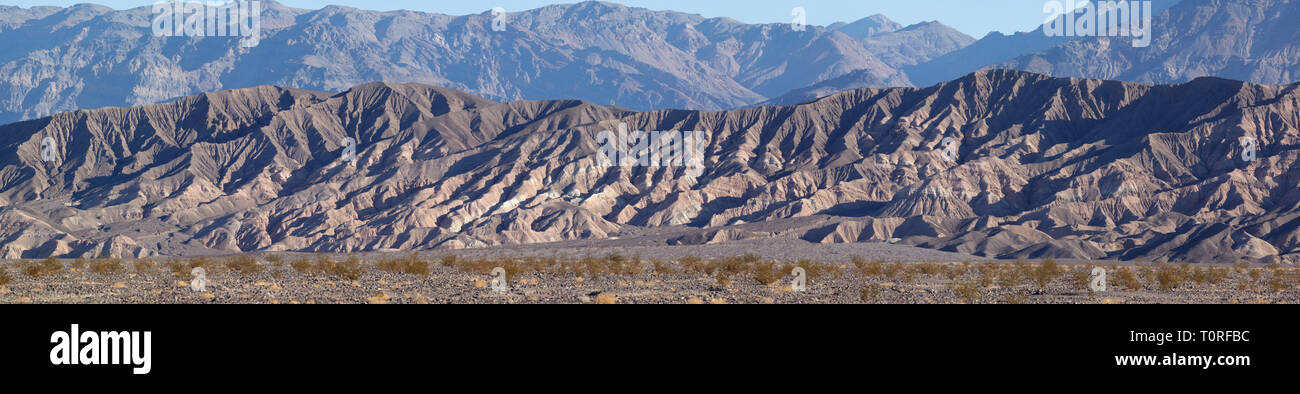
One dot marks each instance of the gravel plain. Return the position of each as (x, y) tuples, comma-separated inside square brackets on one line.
[(629, 276)]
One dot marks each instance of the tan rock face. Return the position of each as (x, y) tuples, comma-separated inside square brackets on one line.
[(997, 163)]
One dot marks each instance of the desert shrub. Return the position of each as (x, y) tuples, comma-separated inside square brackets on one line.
[(722, 279), (1081, 278), (4, 276), (1277, 283), (1280, 279), (662, 268), (106, 266), (892, 269), (411, 265), (144, 266), (1010, 278), (200, 262), (177, 268), (729, 266), (955, 271), (858, 261), (349, 269), (448, 261), (869, 269), (907, 275), (1047, 272), (550, 263), (693, 264), (1016, 297), (1199, 276), (48, 267), (968, 291), (1127, 279), (302, 266), (533, 264), (479, 266), (1023, 269), (244, 265), (813, 270), (623, 265), (987, 272), (592, 267), (929, 269), (870, 293), (1216, 275), (512, 269), (766, 273), (1168, 277)]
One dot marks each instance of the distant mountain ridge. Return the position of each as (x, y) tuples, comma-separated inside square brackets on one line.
[(87, 56), (996, 48), (867, 27), (1249, 40)]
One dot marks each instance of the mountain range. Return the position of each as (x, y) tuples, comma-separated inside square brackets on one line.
[(1247, 40), (1042, 166), (88, 56), (347, 130)]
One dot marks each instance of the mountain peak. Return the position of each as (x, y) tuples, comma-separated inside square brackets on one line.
[(925, 25), (867, 27)]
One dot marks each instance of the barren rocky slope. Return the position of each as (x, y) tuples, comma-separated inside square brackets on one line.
[(1045, 166)]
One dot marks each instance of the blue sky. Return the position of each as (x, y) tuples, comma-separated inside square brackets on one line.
[(973, 17)]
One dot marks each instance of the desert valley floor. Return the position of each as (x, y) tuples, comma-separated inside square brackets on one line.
[(739, 273)]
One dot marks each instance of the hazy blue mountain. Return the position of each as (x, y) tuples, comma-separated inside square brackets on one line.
[(916, 43), (994, 48), (1255, 41), (867, 27), (88, 56), (899, 49)]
